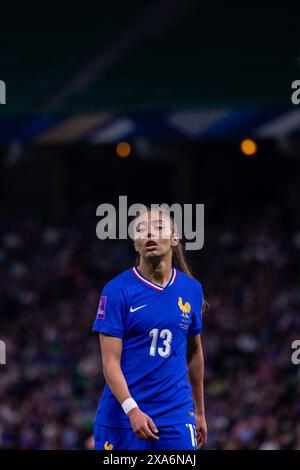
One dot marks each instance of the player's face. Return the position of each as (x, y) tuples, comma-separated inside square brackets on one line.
[(154, 235)]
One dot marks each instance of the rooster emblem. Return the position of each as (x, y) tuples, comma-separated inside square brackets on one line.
[(185, 308), (108, 446)]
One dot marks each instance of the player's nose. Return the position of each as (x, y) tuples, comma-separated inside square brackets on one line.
[(150, 234)]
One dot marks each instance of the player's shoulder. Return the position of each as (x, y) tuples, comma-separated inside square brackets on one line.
[(190, 282)]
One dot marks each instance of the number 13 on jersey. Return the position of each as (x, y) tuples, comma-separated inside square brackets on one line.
[(166, 335)]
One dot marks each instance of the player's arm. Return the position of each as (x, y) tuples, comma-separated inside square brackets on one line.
[(195, 362), (111, 352)]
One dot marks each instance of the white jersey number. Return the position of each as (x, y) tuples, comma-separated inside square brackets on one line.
[(193, 433), (166, 335)]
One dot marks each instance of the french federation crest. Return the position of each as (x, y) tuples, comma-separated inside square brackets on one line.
[(108, 446), (184, 307)]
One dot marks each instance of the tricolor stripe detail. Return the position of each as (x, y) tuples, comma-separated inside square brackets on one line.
[(149, 283), (173, 277), (152, 284)]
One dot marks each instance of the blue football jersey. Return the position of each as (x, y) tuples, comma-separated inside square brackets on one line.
[(153, 322)]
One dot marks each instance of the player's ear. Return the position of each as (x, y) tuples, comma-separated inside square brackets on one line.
[(135, 246)]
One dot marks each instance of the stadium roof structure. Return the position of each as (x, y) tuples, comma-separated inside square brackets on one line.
[(156, 68)]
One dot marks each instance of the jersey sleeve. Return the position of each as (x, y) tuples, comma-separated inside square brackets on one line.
[(110, 318), (195, 327)]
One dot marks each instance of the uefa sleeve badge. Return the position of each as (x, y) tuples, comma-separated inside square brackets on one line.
[(102, 308)]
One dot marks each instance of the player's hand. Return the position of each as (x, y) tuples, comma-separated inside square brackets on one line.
[(89, 443), (142, 425), (201, 429)]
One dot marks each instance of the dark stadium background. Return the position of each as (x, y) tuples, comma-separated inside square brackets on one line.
[(183, 83)]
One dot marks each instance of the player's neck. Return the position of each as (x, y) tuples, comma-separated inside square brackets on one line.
[(158, 271)]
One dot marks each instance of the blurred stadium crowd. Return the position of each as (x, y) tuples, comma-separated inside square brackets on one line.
[(51, 275)]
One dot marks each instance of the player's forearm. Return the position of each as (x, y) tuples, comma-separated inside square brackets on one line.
[(196, 377), (116, 381)]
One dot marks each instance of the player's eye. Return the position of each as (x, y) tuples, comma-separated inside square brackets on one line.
[(140, 227)]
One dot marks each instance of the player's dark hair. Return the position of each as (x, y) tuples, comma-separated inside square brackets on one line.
[(180, 262)]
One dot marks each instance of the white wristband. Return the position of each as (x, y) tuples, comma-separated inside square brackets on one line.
[(129, 404)]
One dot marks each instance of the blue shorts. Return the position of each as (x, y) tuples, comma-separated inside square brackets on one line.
[(172, 437)]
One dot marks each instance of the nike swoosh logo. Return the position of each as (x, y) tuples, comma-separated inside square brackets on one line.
[(137, 308)]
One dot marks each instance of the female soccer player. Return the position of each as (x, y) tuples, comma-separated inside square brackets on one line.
[(150, 320)]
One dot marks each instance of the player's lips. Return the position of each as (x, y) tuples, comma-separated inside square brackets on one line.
[(150, 244)]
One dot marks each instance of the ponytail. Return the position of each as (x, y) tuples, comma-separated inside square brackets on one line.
[(180, 262)]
